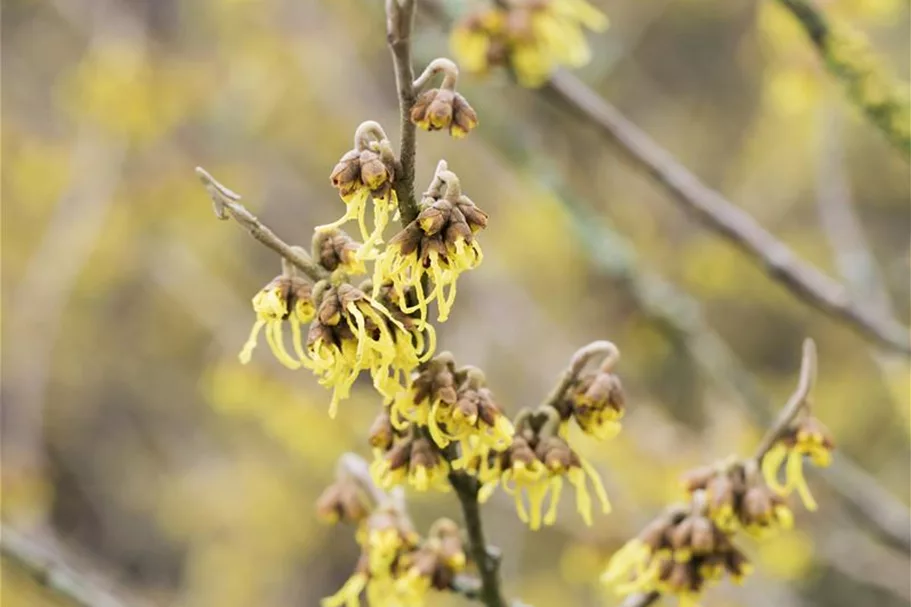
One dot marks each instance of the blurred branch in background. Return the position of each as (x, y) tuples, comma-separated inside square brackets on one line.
[(848, 57), (734, 224), (49, 570)]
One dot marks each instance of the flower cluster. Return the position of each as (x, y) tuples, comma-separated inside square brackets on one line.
[(532, 37), (443, 108), (286, 298), (808, 437), (439, 245), (534, 466), (679, 554), (737, 497), (397, 568), (445, 418), (364, 173), (690, 547), (594, 398)]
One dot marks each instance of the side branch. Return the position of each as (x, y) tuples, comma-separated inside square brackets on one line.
[(225, 203), (800, 277), (399, 24), (797, 401), (48, 571)]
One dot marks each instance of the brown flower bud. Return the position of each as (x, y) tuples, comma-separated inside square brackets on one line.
[(464, 118), (382, 434), (374, 173), (346, 176), (475, 217)]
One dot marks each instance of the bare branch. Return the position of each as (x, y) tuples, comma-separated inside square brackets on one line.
[(720, 215), (50, 571), (225, 203)]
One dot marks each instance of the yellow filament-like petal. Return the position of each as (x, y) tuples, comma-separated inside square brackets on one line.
[(771, 464), (520, 505), (536, 494), (246, 353), (297, 342), (348, 594), (796, 480), (583, 500), (597, 485), (556, 487), (278, 344)]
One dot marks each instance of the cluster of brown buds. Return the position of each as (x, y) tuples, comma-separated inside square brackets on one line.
[(336, 250), (442, 108), (396, 567), (691, 545), (454, 404), (438, 244), (364, 173), (680, 553), (287, 297), (409, 455), (737, 496), (594, 396), (535, 464)]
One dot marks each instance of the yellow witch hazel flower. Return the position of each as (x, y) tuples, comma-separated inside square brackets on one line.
[(439, 244), (411, 459), (454, 405), (737, 497), (286, 297), (679, 554), (443, 108), (351, 333), (367, 173), (385, 537), (533, 37), (535, 465), (807, 437)]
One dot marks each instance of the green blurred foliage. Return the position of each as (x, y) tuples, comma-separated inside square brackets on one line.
[(129, 427)]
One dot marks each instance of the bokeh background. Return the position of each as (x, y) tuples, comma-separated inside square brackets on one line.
[(136, 445)]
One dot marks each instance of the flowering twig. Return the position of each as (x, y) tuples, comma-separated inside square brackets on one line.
[(51, 572), (797, 401), (399, 23), (225, 204), (848, 58), (780, 262)]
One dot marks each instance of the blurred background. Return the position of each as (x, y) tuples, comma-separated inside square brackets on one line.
[(135, 445)]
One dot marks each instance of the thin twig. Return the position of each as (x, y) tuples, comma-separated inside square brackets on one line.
[(51, 572), (848, 58), (797, 401), (399, 24), (225, 203), (800, 277), (576, 364)]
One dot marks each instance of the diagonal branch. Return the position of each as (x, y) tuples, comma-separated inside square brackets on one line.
[(720, 215), (225, 203)]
